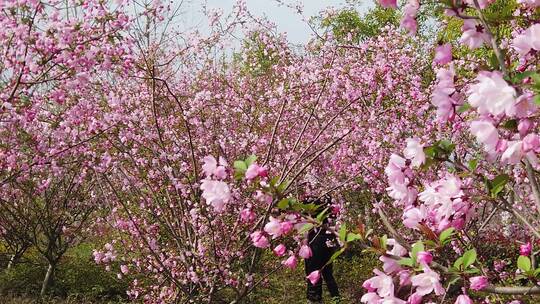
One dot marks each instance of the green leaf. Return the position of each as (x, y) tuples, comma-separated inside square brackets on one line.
[(453, 280), (406, 262), (306, 228), (464, 108), (240, 165), (510, 124), (469, 257), (335, 255), (446, 145), (351, 237), (417, 247), (283, 204), (473, 164), (472, 271), (430, 151), (322, 215), (343, 232), (524, 263), (281, 187), (458, 263), (498, 183), (273, 181), (519, 77), (250, 160), (384, 241), (446, 234), (536, 100)]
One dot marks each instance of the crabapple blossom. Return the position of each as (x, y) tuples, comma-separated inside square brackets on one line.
[(290, 262), (305, 252), (443, 54), (528, 40), (478, 283), (492, 94), (525, 249), (427, 282), (474, 35), (314, 277)]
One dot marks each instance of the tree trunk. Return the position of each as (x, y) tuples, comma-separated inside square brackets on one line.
[(11, 261), (47, 279)]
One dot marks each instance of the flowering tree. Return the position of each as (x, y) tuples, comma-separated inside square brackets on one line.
[(460, 187), (181, 217), (58, 60)]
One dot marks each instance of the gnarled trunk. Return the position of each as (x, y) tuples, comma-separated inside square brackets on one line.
[(47, 279)]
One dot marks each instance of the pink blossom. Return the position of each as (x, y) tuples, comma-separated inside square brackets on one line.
[(443, 94), (124, 269), (211, 168), (408, 21), (273, 228), (525, 249), (397, 249), (394, 169), (524, 126), (413, 216), (530, 3), (404, 277), (382, 282), (424, 257), (514, 152), (210, 165), (280, 249), (414, 152), (427, 282), (474, 34), (314, 277), (305, 252), (286, 227), (485, 133), (216, 193), (492, 94), (463, 299), (524, 105), (388, 3), (443, 54), (528, 40), (247, 215), (290, 262), (370, 298), (389, 265), (478, 283), (531, 142), (415, 298), (253, 171), (259, 240)]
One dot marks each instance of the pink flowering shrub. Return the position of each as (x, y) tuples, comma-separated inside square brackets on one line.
[(452, 191)]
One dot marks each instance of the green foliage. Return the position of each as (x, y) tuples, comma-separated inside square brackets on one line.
[(359, 27), (77, 276), (256, 57)]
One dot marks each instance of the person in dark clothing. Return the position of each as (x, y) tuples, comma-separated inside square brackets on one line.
[(323, 244)]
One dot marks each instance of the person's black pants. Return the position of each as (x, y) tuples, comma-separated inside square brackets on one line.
[(321, 255), (314, 292)]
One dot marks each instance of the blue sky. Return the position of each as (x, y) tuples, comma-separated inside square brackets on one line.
[(285, 19)]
